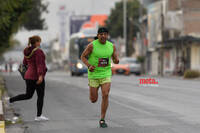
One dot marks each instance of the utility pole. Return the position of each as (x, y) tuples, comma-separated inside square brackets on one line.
[(162, 45), (142, 36), (125, 25), (140, 24)]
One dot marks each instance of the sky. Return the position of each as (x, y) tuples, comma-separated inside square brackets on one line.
[(79, 7)]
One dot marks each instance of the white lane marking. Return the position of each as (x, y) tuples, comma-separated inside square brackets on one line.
[(130, 107), (115, 101), (150, 122)]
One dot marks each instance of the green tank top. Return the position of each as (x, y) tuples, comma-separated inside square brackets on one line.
[(101, 59)]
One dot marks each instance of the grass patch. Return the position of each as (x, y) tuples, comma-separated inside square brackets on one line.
[(10, 122), (2, 87), (189, 74)]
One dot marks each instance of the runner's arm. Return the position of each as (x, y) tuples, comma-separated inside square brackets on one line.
[(86, 53), (114, 55)]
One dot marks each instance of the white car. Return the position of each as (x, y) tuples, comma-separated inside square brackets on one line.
[(15, 67), (134, 65)]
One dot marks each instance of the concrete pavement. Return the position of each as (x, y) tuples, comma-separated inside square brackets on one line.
[(9, 121), (172, 107)]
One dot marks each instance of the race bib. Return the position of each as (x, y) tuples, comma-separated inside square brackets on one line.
[(103, 62)]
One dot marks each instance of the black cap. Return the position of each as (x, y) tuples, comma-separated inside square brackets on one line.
[(95, 38), (102, 29)]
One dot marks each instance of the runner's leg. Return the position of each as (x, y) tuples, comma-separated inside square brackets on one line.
[(93, 94), (105, 88)]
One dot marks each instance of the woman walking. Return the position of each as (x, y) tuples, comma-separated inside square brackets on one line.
[(34, 59)]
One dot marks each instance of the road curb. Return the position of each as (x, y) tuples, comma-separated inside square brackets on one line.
[(2, 122)]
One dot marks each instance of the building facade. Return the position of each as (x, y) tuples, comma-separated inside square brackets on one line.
[(173, 34)]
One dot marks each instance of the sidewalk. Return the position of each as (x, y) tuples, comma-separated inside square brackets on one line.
[(9, 121), (171, 77), (2, 122)]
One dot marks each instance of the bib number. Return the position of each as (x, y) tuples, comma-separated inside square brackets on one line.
[(103, 62)]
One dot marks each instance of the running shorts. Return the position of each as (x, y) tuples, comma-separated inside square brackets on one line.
[(97, 82)]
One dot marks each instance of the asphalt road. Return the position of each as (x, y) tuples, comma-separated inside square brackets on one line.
[(171, 107)]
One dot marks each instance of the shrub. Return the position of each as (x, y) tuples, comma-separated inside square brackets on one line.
[(191, 74), (140, 59)]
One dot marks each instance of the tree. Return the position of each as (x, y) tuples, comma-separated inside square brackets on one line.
[(115, 21), (13, 15), (33, 19)]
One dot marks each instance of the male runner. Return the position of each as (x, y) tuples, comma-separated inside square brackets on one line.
[(97, 56)]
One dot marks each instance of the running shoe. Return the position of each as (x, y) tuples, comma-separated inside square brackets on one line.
[(103, 124), (41, 118)]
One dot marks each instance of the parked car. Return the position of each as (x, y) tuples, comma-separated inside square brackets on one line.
[(134, 65), (121, 68), (15, 67), (2, 67)]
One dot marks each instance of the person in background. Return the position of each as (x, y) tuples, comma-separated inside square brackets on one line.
[(34, 77), (10, 63)]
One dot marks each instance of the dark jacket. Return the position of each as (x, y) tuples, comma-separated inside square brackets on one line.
[(36, 63)]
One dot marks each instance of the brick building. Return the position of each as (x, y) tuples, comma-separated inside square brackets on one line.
[(191, 14), (181, 42)]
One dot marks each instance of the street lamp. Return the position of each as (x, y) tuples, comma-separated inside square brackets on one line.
[(125, 25)]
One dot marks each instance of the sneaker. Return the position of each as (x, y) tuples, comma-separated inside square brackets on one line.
[(41, 118), (7, 99), (103, 124), (7, 102)]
